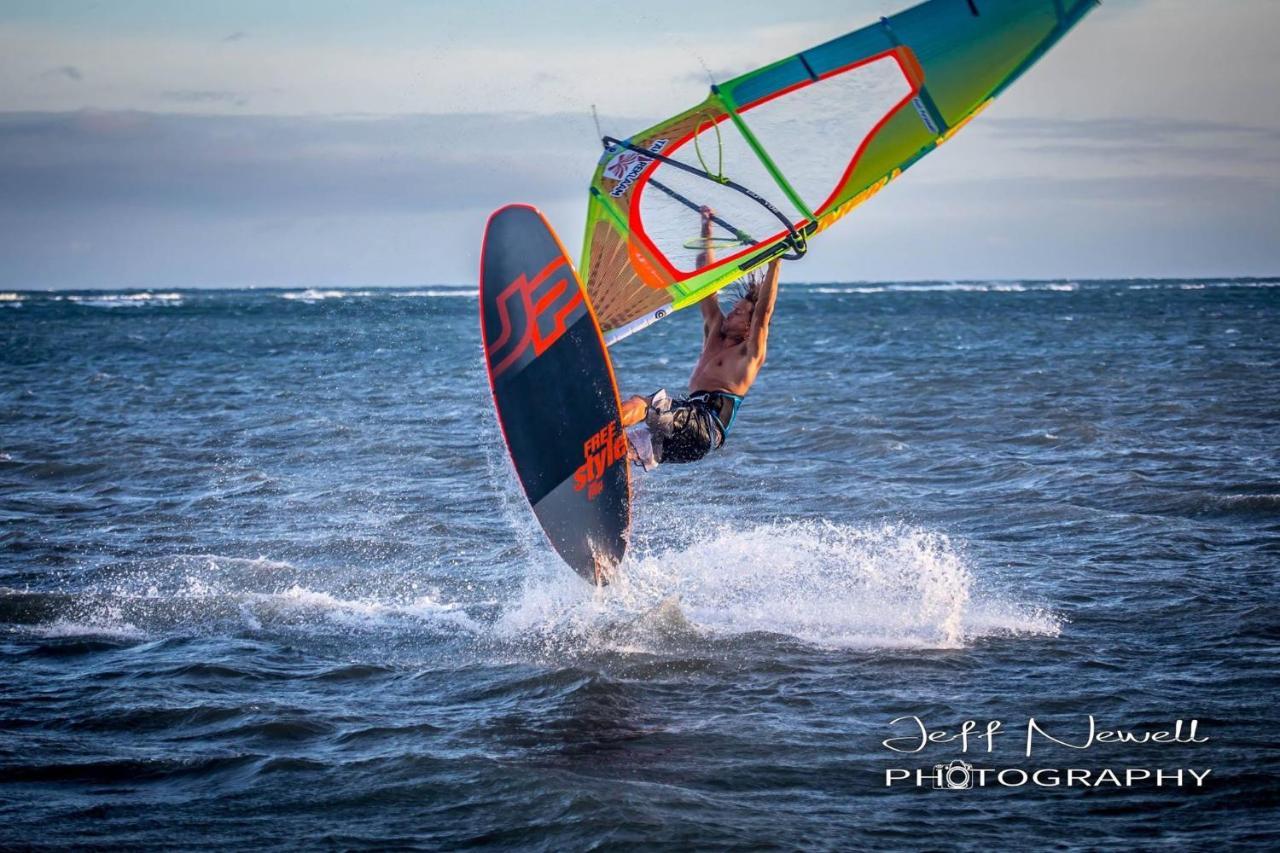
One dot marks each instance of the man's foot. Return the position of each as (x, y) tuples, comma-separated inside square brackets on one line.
[(633, 410)]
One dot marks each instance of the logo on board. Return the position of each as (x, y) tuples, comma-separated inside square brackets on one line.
[(533, 313), (599, 453)]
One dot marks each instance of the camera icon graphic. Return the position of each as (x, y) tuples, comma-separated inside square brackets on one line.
[(956, 775)]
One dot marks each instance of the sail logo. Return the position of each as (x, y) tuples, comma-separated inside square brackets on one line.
[(627, 165), (599, 453), (620, 165), (923, 112)]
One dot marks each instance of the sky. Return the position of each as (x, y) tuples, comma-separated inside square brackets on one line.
[(176, 143)]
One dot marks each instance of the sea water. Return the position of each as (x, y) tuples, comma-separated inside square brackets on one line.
[(266, 576)]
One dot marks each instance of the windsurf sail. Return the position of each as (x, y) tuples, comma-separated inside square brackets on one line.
[(782, 152)]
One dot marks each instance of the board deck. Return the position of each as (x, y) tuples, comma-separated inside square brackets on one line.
[(554, 391)]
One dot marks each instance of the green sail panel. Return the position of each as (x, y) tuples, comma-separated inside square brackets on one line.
[(780, 153)]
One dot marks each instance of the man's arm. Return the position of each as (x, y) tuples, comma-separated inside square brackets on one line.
[(763, 313), (710, 305)]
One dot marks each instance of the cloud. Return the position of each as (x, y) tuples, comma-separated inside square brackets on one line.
[(443, 70), (1136, 146), (1168, 194), (65, 72), (1144, 143), (296, 166), (158, 199), (154, 199)]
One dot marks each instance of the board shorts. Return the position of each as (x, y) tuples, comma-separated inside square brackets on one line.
[(684, 429)]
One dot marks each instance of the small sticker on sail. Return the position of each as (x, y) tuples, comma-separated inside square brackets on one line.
[(923, 112), (627, 165)]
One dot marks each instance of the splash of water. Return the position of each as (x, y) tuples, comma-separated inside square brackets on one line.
[(830, 585), (889, 586)]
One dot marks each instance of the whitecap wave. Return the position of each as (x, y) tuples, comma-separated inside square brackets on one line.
[(955, 287), (123, 300), (1201, 285), (440, 292), (312, 294)]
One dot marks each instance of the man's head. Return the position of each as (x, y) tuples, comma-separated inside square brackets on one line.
[(737, 323)]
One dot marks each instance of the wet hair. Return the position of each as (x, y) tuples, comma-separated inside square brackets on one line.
[(748, 288)]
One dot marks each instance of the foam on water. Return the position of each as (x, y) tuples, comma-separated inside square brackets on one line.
[(123, 300), (1201, 285), (456, 292), (955, 287), (312, 294), (215, 594), (889, 586), (833, 586), (299, 602), (65, 629)]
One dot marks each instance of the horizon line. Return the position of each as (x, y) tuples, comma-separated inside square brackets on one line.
[(809, 283)]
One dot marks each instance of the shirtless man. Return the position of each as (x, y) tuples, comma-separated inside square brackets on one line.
[(733, 351)]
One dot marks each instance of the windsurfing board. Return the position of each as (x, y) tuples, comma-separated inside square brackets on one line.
[(554, 391)]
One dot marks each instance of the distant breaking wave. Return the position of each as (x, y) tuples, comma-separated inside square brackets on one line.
[(1032, 286), (121, 300), (315, 295), (952, 287)]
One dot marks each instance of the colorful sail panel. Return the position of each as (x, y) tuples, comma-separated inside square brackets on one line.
[(666, 205), (781, 153)]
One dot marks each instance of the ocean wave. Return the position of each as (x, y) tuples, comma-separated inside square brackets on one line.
[(1263, 506)]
